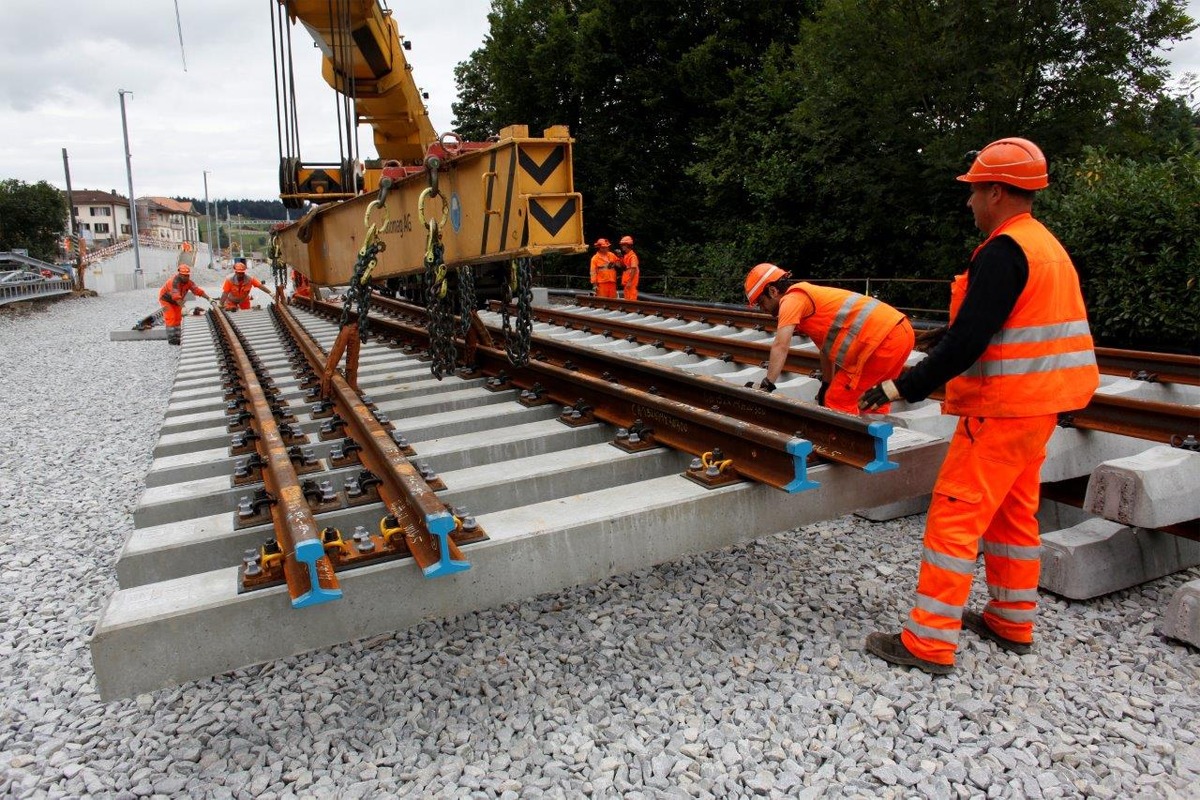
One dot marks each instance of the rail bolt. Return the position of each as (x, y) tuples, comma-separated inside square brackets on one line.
[(362, 540), (251, 563)]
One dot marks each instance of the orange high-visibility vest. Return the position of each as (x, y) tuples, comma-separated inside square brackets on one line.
[(174, 293), (604, 268), (240, 292), (846, 326), (1042, 361), (629, 278)]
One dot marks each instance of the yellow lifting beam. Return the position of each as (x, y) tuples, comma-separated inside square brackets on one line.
[(515, 198)]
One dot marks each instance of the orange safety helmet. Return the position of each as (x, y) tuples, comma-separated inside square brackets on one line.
[(603, 243), (1017, 162), (239, 267), (627, 240), (759, 278), (184, 269)]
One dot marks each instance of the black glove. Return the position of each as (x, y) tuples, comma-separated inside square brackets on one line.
[(878, 395), (766, 385), (927, 340), (821, 393)]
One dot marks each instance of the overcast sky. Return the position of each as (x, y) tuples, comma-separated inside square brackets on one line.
[(62, 63)]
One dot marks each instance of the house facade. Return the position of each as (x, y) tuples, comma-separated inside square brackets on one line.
[(103, 217), (168, 220)]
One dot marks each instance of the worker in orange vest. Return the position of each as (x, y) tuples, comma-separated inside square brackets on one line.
[(302, 284), (1018, 351), (171, 297), (235, 293), (604, 270), (862, 340), (631, 268)]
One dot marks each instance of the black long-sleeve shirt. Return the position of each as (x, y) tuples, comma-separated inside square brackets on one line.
[(995, 279)]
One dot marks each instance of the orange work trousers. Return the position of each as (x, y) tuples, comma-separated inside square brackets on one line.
[(631, 292), (172, 315), (606, 289), (884, 364), (986, 490)]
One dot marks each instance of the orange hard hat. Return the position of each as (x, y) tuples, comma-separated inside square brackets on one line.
[(603, 243), (627, 240), (1017, 162), (759, 278), (239, 266), (184, 269)]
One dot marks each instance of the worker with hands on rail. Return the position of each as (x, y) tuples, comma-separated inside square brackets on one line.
[(631, 268), (604, 270), (171, 297), (862, 340), (235, 293), (303, 287), (1018, 351)]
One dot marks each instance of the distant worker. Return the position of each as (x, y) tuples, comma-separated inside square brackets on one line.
[(604, 270), (302, 284), (1018, 351), (862, 340), (171, 297), (186, 247), (630, 273), (235, 293)]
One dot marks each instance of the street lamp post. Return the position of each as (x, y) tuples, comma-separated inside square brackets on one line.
[(211, 240), (138, 281)]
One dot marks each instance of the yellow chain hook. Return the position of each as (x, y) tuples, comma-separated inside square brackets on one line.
[(426, 193)]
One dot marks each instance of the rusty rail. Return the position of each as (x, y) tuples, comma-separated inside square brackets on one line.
[(1152, 367), (309, 574), (1143, 419), (769, 437), (427, 525)]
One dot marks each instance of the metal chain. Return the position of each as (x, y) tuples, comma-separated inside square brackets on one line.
[(441, 319), (520, 283), (358, 293), (466, 299), (278, 267)]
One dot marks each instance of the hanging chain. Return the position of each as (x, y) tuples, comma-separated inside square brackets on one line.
[(359, 292), (466, 299), (520, 283), (278, 267), (437, 301)]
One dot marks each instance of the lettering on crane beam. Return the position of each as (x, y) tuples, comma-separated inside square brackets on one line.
[(399, 225), (540, 172), (553, 223)]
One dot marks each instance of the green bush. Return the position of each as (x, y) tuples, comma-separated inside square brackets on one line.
[(1133, 231)]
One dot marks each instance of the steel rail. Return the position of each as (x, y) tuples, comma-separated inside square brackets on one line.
[(428, 524), (308, 571), (1147, 365), (1142, 419), (691, 413)]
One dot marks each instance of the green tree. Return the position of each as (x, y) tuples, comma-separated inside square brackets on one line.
[(32, 217), (1133, 231)]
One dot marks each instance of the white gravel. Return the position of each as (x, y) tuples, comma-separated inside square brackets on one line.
[(737, 674)]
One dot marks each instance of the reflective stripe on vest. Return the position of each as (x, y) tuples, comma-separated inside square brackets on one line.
[(839, 322)]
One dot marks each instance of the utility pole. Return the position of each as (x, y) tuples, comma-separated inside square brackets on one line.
[(211, 236), (138, 281), (73, 224)]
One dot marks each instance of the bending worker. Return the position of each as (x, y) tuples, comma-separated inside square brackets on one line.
[(631, 268), (235, 293), (171, 297), (302, 284), (604, 270), (862, 340), (1017, 352)]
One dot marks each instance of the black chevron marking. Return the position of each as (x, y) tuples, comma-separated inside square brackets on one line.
[(539, 172), (552, 223)]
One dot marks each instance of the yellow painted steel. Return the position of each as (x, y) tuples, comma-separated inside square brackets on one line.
[(513, 199)]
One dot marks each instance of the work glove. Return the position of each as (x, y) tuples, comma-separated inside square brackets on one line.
[(878, 395), (821, 393), (927, 340)]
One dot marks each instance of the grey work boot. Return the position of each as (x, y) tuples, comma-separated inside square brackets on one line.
[(974, 621), (890, 647)]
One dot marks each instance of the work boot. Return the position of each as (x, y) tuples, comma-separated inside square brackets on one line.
[(975, 622), (174, 335), (890, 647)]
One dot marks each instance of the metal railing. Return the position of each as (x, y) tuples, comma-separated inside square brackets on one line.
[(33, 290)]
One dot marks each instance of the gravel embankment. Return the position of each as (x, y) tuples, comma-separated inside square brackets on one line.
[(737, 674)]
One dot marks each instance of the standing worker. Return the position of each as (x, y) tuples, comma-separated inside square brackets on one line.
[(1017, 352), (862, 340), (235, 293), (604, 270), (171, 297), (631, 271), (303, 288)]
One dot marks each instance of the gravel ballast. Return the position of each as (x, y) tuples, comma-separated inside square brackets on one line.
[(740, 673)]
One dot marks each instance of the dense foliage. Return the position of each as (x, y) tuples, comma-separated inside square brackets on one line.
[(823, 136), (32, 217)]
